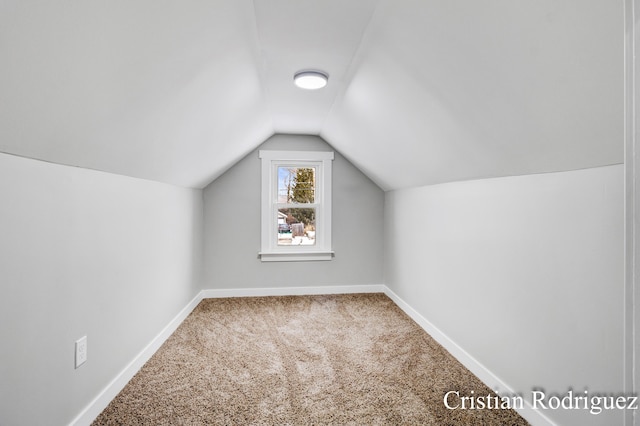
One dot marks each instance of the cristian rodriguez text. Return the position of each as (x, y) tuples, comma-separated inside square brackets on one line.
[(594, 403)]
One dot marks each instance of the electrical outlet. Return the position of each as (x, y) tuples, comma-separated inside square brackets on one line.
[(81, 351)]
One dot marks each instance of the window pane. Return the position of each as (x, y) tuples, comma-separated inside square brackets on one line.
[(297, 227), (296, 185)]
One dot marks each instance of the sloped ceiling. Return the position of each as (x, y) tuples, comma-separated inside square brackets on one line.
[(420, 92), (459, 89)]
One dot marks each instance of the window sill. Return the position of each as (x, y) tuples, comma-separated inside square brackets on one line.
[(295, 256)]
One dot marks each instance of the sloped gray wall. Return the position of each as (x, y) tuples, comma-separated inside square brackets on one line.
[(85, 253), (526, 274)]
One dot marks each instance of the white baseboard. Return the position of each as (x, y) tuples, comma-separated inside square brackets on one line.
[(95, 407), (293, 291), (535, 417)]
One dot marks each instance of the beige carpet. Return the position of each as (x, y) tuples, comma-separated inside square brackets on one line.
[(299, 360)]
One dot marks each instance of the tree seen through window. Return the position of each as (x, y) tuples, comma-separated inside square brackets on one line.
[(296, 185)]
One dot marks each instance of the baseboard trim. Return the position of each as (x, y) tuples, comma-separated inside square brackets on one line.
[(95, 407), (293, 291), (535, 417)]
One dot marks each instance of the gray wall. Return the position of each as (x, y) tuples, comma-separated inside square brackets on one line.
[(232, 227), (524, 273), (85, 253)]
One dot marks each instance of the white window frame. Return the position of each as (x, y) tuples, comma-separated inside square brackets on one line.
[(321, 250)]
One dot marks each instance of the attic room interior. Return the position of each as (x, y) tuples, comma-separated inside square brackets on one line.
[(474, 166)]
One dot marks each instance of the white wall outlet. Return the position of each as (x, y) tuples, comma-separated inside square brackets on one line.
[(81, 351)]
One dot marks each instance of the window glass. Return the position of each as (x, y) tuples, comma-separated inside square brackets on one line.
[(296, 185), (296, 226)]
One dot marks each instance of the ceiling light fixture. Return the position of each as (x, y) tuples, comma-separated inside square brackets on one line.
[(311, 80)]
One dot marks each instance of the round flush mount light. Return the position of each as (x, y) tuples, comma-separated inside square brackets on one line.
[(310, 80)]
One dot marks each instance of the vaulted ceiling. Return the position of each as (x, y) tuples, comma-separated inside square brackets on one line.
[(420, 91)]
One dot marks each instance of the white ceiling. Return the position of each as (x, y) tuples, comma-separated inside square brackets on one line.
[(420, 91)]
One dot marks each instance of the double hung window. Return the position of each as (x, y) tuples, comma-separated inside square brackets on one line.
[(296, 205)]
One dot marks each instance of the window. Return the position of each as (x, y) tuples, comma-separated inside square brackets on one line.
[(296, 205)]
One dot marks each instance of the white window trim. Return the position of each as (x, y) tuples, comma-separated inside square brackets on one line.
[(270, 250)]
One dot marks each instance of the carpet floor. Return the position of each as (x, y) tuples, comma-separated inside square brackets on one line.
[(300, 360)]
